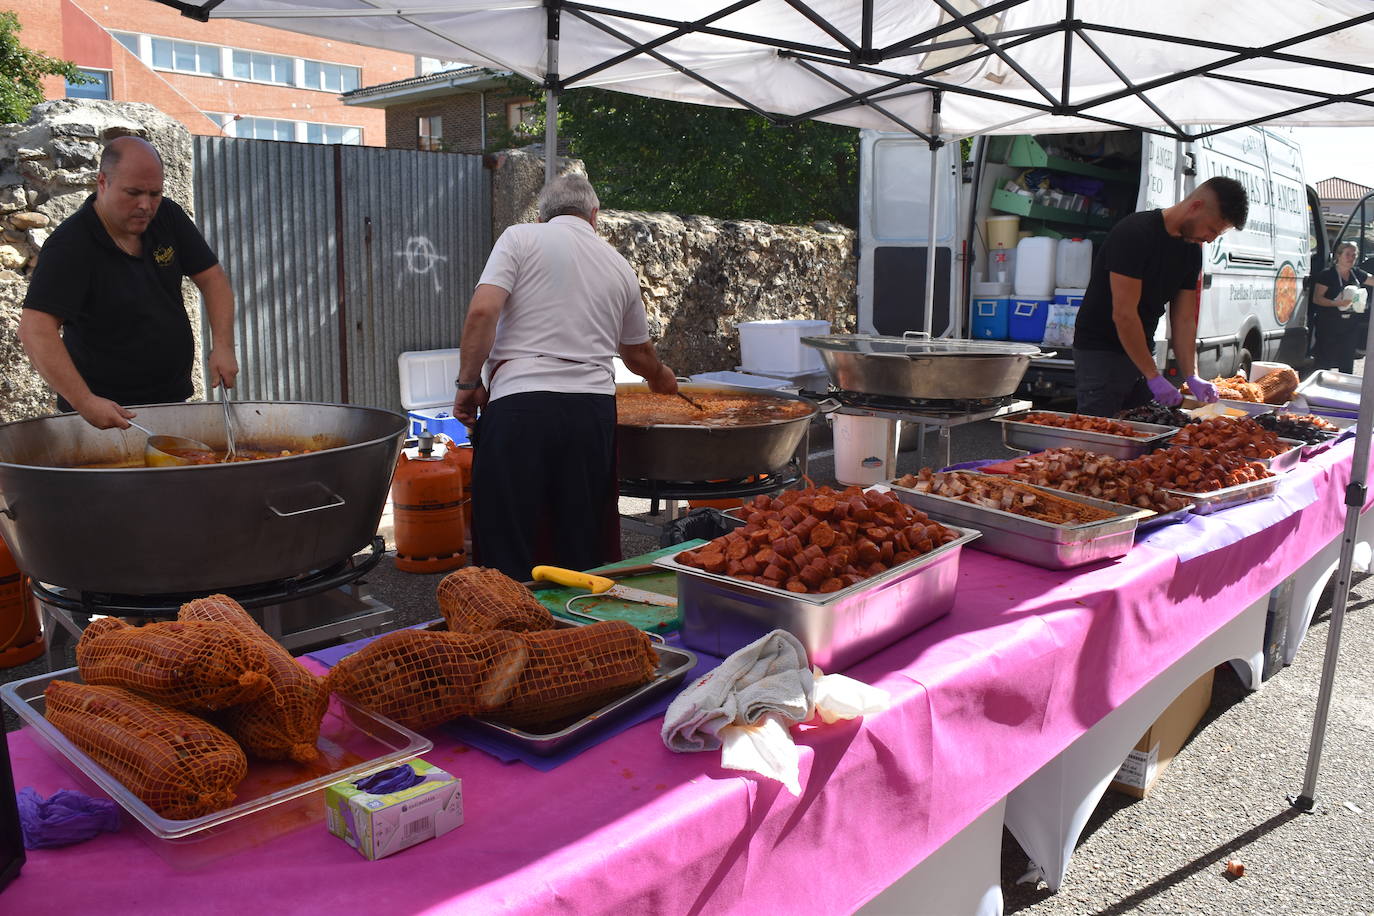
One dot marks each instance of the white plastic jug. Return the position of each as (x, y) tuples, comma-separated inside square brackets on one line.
[(1035, 259), (1073, 263)]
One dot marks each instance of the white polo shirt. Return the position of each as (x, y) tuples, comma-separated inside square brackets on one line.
[(574, 301)]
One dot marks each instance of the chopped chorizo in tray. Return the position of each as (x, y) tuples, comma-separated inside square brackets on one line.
[(1086, 423), (1195, 470), (820, 540), (1075, 470), (1236, 435)]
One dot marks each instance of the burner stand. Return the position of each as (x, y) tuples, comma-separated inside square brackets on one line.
[(308, 610), (672, 492)]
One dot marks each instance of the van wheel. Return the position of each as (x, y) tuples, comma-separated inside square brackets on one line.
[(1243, 361)]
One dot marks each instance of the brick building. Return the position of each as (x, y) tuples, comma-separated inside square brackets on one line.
[(462, 110), (223, 78)]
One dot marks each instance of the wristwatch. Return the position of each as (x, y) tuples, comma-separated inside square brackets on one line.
[(467, 386)]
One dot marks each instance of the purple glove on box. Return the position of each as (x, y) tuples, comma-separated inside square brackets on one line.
[(1202, 389), (68, 817), (1166, 393)]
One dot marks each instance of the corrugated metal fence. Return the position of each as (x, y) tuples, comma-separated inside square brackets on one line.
[(341, 258)]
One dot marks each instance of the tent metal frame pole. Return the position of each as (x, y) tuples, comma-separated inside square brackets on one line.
[(934, 207), (551, 89), (1355, 494)]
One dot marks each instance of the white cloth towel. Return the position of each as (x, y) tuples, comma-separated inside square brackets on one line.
[(770, 675)]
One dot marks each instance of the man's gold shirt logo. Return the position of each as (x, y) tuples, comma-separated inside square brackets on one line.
[(163, 256)]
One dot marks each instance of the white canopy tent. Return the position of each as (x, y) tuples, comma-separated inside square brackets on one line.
[(942, 69)]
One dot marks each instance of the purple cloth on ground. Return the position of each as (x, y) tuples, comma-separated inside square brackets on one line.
[(67, 817)]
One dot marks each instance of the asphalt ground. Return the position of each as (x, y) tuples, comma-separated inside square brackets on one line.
[(1224, 795)]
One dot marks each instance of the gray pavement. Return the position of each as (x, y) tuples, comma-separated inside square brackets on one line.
[(1223, 796)]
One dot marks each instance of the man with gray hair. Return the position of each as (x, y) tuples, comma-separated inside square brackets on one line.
[(553, 306)]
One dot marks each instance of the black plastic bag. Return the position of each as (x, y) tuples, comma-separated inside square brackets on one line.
[(699, 523)]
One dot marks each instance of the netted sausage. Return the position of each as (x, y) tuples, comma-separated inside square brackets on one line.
[(477, 600)]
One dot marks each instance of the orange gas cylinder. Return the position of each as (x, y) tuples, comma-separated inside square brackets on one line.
[(21, 637), (429, 508)]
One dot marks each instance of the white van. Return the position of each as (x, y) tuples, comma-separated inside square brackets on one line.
[(1254, 284)]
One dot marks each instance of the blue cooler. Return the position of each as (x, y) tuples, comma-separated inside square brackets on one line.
[(427, 392), (989, 318), (1026, 322)]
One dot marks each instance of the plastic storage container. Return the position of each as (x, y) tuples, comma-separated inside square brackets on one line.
[(775, 346), (427, 392), (1027, 318), (1073, 263), (862, 446), (1035, 268), (988, 311), (1002, 231)]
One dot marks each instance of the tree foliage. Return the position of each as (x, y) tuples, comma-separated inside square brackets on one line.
[(649, 154), (22, 71)]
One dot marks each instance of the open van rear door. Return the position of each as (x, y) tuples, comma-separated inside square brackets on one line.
[(894, 231)]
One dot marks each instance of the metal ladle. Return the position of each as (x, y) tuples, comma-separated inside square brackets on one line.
[(156, 452), (230, 451)]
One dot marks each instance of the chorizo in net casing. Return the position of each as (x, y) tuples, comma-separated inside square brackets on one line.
[(478, 600), (283, 723), (178, 764), (194, 665)]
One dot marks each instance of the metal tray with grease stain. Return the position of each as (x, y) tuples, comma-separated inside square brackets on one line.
[(673, 665)]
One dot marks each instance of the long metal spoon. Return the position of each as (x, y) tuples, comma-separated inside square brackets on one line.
[(228, 423), (157, 451)]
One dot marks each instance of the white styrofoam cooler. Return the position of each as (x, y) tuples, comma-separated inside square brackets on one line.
[(427, 392), (775, 346)]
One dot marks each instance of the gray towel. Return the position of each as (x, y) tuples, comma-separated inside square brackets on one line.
[(769, 675)]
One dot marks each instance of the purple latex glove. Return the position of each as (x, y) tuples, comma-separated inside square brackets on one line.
[(68, 817), (1202, 390), (1166, 393)]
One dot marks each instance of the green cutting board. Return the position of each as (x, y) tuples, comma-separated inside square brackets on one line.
[(645, 616)]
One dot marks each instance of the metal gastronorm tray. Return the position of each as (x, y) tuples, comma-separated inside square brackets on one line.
[(1217, 500), (721, 614), (1031, 540), (673, 665), (1018, 434), (353, 741), (1329, 388)]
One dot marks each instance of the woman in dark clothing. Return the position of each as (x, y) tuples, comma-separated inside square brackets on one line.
[(1331, 311)]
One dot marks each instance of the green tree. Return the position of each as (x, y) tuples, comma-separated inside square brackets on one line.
[(22, 71), (649, 154)]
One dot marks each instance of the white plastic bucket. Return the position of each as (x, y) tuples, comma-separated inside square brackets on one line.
[(861, 449), (1002, 231), (775, 346), (1073, 263), (1035, 267)]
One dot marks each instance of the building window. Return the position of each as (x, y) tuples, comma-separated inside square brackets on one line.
[(128, 40), (432, 133), (333, 133), (265, 129), (331, 77), (186, 57), (264, 68), (99, 89), (520, 116)]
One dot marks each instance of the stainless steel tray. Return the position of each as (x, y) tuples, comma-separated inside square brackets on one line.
[(1160, 519), (1283, 461), (1217, 500), (673, 665), (1032, 437), (276, 797), (1031, 540), (721, 614), (1329, 388)]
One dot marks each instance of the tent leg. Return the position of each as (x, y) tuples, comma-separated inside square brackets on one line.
[(1354, 503), (551, 95), (934, 207)]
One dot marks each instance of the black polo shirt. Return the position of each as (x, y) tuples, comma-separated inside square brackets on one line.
[(123, 318), (1139, 247)]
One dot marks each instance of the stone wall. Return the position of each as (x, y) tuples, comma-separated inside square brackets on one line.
[(702, 276), (47, 169)]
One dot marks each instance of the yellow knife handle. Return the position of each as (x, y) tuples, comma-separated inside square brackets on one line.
[(571, 578)]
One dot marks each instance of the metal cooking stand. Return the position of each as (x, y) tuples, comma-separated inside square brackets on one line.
[(332, 603), (928, 418)]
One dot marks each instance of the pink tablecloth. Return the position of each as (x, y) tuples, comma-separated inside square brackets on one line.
[(1026, 662)]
